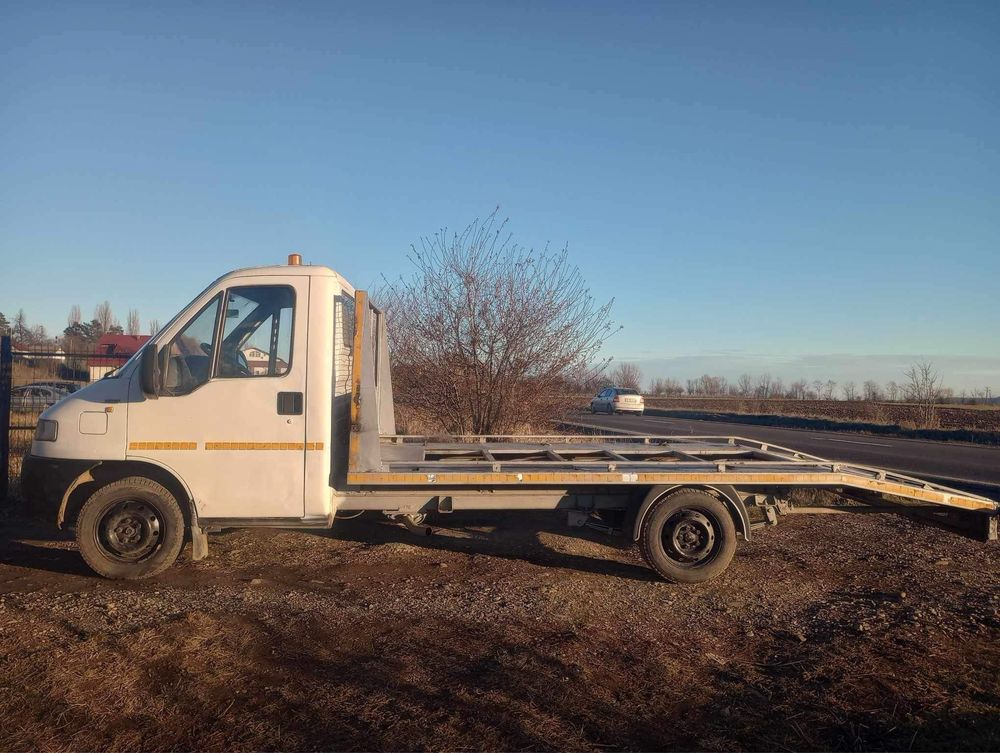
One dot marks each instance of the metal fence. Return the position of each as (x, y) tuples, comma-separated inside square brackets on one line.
[(32, 379)]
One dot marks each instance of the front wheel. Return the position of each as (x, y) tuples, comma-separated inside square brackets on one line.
[(128, 529), (688, 537)]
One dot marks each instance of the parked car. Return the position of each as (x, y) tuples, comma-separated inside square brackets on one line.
[(35, 397), (618, 400), (64, 385)]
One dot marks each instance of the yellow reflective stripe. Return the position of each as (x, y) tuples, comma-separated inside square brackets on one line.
[(298, 446), (163, 445)]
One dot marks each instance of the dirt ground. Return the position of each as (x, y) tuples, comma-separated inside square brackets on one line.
[(505, 632)]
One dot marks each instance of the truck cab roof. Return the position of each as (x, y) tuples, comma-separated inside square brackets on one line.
[(295, 270)]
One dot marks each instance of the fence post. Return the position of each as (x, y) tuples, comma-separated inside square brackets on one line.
[(6, 369)]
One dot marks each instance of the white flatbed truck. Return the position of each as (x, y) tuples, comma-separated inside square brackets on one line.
[(267, 401)]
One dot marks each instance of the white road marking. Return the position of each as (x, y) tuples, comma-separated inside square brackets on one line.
[(850, 441)]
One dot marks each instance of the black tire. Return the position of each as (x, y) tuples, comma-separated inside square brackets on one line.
[(129, 529), (688, 537)]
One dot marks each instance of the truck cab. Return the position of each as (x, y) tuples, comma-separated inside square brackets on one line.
[(217, 403)]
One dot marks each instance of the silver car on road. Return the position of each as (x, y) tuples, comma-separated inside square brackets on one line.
[(618, 400)]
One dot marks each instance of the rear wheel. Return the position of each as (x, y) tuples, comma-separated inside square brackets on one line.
[(688, 537), (132, 528)]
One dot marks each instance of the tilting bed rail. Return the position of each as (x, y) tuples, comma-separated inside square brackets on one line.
[(627, 459)]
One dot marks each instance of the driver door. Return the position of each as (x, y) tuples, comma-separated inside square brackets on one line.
[(230, 418)]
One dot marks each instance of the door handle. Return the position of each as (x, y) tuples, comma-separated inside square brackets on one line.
[(290, 403)]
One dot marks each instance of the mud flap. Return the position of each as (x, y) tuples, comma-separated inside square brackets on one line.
[(199, 543)]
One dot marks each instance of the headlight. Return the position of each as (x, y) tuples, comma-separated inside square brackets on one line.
[(47, 431)]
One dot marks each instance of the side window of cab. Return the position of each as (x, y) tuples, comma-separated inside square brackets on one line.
[(257, 332)]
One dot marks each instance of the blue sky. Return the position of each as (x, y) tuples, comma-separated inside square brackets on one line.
[(759, 186)]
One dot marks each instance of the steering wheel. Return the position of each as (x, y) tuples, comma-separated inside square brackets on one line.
[(232, 362)]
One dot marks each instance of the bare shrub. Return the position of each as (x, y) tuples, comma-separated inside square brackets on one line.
[(707, 384), (923, 387), (665, 387), (486, 335), (626, 375), (872, 391), (850, 390)]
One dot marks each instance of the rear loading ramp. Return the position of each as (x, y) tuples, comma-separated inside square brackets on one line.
[(379, 459)]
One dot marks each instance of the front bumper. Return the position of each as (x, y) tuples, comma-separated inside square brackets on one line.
[(44, 481)]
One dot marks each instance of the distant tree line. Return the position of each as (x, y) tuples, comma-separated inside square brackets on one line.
[(921, 383), (79, 334)]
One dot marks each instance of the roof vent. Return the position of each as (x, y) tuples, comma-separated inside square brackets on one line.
[(294, 260)]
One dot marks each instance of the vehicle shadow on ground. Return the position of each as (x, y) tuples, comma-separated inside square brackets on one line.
[(28, 545), (511, 536)]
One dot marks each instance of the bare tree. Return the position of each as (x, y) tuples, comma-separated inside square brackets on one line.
[(666, 386), (765, 387), (828, 389), (982, 394), (38, 335), (797, 390), (850, 390), (626, 375), (871, 391), (104, 316), (745, 385), (485, 334), (74, 315), (892, 391), (777, 387), (923, 387), (133, 326), (154, 326), (673, 387), (19, 328), (708, 385), (817, 386)]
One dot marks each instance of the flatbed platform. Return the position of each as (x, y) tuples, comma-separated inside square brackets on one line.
[(545, 460)]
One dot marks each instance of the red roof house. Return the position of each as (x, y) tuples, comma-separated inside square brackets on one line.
[(111, 351)]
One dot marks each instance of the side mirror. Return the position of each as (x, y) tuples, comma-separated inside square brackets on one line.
[(149, 372)]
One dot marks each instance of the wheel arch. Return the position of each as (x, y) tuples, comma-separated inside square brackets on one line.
[(107, 471), (728, 495)]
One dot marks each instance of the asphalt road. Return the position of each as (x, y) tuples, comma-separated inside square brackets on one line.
[(972, 465)]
